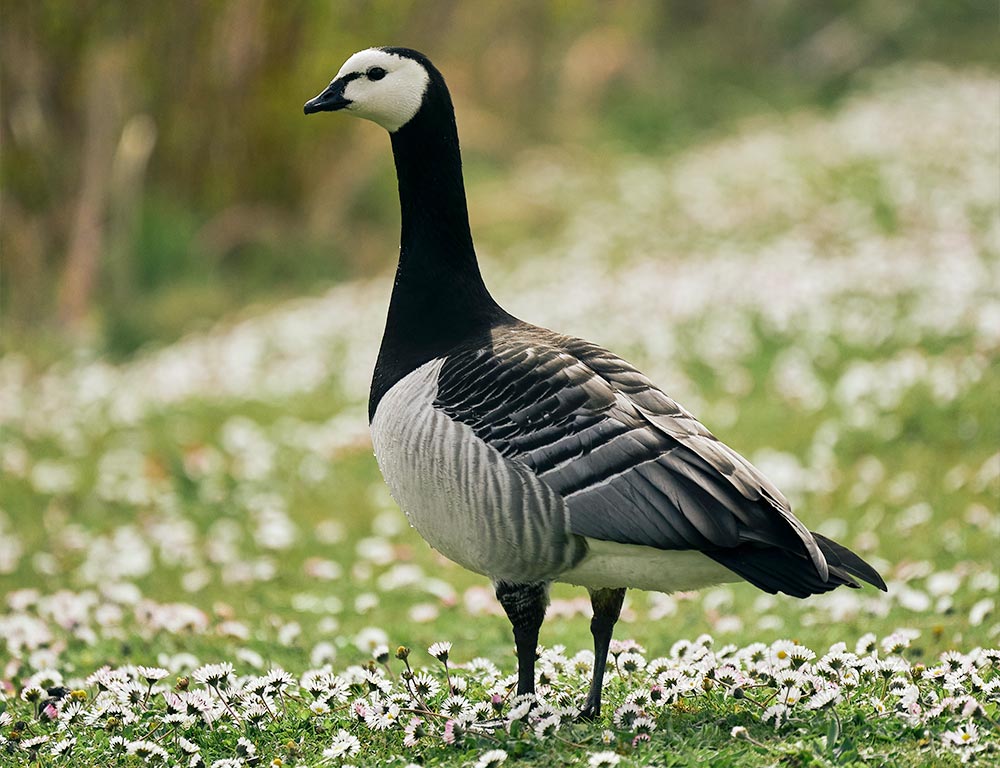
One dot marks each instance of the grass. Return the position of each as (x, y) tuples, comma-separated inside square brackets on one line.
[(216, 501)]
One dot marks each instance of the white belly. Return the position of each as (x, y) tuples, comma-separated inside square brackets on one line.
[(611, 565), (484, 512)]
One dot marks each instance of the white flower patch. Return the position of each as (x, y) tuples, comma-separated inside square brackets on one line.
[(783, 685)]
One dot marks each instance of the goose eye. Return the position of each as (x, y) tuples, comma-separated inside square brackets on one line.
[(376, 73)]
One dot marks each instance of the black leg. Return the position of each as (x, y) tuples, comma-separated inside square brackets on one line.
[(525, 606), (607, 605)]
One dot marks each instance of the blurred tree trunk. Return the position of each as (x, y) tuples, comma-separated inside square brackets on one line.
[(128, 173), (104, 93)]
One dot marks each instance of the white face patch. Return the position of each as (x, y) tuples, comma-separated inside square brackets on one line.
[(391, 101)]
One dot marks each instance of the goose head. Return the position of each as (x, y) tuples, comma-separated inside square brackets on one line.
[(384, 85)]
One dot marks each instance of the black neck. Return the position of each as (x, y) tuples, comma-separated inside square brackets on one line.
[(436, 252), (439, 299)]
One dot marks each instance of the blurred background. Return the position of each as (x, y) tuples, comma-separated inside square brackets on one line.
[(158, 173)]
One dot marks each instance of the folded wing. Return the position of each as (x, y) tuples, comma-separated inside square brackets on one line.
[(632, 465)]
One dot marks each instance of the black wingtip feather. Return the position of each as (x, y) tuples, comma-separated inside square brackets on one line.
[(778, 570), (842, 557)]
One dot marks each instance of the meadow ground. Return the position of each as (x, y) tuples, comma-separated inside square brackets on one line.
[(201, 566)]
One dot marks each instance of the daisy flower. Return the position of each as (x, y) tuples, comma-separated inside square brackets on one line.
[(791, 696), (213, 675), (824, 698), (626, 715), (376, 682), (453, 732), (955, 661), (521, 706), (776, 713), (582, 664), (547, 726), (457, 708), (440, 651), (413, 731), (425, 686), (787, 678), (381, 717), (257, 713), (147, 750), (641, 698), (604, 759), (46, 678), (782, 652), (151, 674), (245, 748), (482, 711), (727, 675), (491, 759), (344, 744), (32, 694), (963, 737), (866, 644), (63, 747), (316, 681), (338, 690), (644, 725), (898, 641), (34, 743), (187, 746), (800, 655), (626, 646), (486, 669), (629, 663), (278, 679), (72, 713), (833, 663)]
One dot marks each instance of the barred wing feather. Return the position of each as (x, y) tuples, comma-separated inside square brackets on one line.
[(631, 464)]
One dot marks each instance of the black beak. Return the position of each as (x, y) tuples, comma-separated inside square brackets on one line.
[(330, 100)]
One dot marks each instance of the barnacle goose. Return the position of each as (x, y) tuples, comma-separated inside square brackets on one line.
[(532, 457)]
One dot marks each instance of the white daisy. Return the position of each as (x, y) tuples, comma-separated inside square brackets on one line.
[(606, 759), (63, 747), (147, 750), (491, 759), (213, 675), (547, 726), (344, 744), (440, 651), (425, 686), (152, 674)]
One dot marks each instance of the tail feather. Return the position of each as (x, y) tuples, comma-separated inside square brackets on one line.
[(842, 557), (780, 570)]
